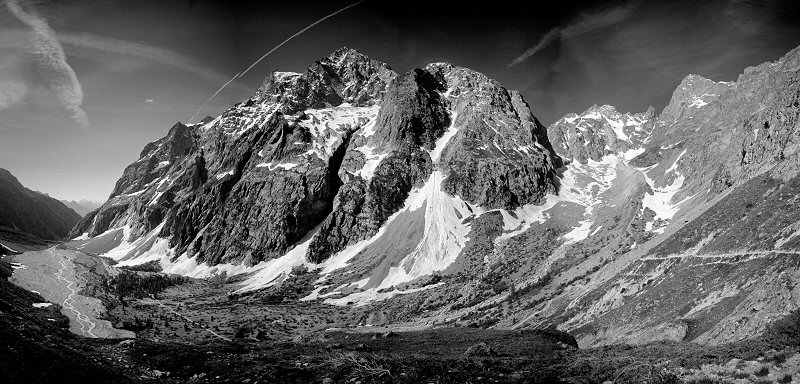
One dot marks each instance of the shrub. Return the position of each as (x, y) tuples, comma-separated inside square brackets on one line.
[(741, 375), (217, 280), (763, 371), (299, 270), (785, 331), (139, 286)]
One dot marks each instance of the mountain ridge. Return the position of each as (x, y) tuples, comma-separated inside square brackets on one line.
[(33, 212)]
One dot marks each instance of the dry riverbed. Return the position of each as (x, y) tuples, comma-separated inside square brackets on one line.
[(59, 276)]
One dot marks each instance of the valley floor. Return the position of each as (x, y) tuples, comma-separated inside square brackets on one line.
[(195, 331)]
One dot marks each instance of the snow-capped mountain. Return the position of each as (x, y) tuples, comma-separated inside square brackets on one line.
[(698, 229), (347, 166), (600, 131), (441, 183)]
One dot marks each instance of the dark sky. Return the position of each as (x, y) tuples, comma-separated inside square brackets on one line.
[(84, 85)]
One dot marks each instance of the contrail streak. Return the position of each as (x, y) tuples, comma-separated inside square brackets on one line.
[(242, 73)]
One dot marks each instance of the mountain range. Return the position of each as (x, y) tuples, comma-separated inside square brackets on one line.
[(436, 197), (83, 206)]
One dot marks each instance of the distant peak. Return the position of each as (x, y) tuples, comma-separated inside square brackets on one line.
[(6, 175), (440, 65), (350, 59), (696, 81), (344, 50), (696, 77), (603, 110)]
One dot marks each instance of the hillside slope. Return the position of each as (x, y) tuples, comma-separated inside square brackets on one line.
[(33, 212)]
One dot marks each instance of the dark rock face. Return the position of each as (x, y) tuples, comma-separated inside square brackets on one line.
[(500, 156), (156, 159), (329, 155), (413, 114), (33, 212), (362, 207), (499, 184)]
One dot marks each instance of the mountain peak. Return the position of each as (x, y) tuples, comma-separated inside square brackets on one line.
[(9, 177), (344, 76), (343, 53), (698, 82), (598, 131), (694, 92), (604, 110)]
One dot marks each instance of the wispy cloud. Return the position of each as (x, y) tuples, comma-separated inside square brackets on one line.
[(11, 92), (584, 23), (48, 54), (102, 49), (88, 46)]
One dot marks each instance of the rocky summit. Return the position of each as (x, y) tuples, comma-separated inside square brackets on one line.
[(436, 197)]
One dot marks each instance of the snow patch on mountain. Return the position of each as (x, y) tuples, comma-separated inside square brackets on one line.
[(616, 126), (223, 175), (581, 232), (273, 165), (372, 160), (246, 118), (328, 125), (371, 295), (441, 142), (444, 237), (581, 184), (273, 271), (660, 200)]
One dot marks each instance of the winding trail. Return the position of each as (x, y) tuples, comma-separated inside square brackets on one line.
[(86, 323)]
